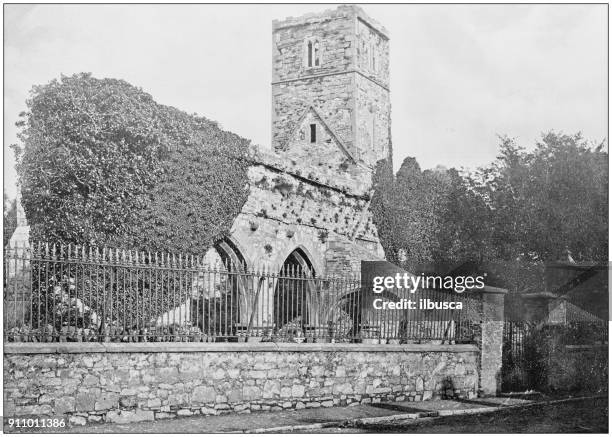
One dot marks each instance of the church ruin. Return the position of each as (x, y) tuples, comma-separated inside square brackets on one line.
[(310, 195), (308, 211), (331, 114)]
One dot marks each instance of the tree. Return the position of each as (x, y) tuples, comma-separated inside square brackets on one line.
[(417, 195), (103, 164), (430, 216), (463, 231), (507, 218), (383, 213), (549, 201)]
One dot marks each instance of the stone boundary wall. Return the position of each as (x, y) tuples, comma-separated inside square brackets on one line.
[(96, 382)]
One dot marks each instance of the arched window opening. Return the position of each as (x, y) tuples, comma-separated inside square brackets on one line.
[(313, 53), (291, 295), (232, 259), (219, 293)]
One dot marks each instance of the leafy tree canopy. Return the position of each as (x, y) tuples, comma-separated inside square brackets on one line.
[(530, 207), (103, 164), (549, 202), (427, 217)]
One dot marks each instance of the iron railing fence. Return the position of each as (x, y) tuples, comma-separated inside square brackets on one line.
[(73, 293)]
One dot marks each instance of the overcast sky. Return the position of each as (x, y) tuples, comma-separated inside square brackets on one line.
[(460, 74)]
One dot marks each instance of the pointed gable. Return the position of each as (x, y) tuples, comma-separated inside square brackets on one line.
[(312, 134)]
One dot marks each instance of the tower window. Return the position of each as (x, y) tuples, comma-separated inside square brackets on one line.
[(313, 53), (313, 133), (310, 53)]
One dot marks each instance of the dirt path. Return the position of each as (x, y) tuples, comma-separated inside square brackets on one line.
[(576, 417)]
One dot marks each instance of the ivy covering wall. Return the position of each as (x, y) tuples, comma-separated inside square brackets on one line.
[(101, 163)]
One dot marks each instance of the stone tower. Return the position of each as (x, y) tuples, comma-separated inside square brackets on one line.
[(330, 87)]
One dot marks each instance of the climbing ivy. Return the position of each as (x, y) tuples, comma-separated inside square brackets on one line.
[(101, 163)]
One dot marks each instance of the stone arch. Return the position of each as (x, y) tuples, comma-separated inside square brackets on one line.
[(295, 293), (237, 266), (303, 260), (301, 245), (313, 50), (223, 297), (231, 254)]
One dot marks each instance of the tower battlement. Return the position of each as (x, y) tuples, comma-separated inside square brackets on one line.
[(340, 11)]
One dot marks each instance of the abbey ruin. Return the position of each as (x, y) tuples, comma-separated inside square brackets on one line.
[(283, 324), (310, 195)]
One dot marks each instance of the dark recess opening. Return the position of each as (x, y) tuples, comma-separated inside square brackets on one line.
[(313, 133)]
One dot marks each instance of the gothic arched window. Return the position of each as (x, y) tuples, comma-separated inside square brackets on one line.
[(313, 53)]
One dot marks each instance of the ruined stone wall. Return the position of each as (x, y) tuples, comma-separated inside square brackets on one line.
[(344, 257), (373, 106), (115, 386), (295, 201), (315, 205)]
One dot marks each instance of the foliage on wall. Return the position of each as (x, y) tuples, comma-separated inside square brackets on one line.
[(103, 164)]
